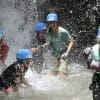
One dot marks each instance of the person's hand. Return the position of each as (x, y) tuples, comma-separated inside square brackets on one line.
[(8, 90), (64, 55), (33, 49)]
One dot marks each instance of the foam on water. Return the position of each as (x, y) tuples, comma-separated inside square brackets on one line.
[(47, 82)]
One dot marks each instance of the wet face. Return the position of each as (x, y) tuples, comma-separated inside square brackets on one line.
[(53, 25), (27, 62), (42, 34)]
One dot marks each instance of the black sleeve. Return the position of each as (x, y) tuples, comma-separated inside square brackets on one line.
[(96, 78)]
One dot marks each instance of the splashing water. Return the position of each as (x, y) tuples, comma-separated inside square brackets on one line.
[(75, 87), (12, 20), (44, 87)]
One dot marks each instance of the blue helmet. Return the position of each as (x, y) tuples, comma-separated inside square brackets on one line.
[(2, 33), (98, 35), (23, 54), (52, 17), (39, 27)]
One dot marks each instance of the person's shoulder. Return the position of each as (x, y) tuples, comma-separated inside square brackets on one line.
[(96, 45), (62, 29), (12, 65)]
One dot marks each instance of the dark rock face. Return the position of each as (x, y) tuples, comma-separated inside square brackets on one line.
[(80, 17)]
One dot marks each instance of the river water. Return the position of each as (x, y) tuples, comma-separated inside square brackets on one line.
[(44, 87)]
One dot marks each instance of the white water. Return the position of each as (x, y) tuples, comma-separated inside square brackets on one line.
[(44, 87), (75, 87)]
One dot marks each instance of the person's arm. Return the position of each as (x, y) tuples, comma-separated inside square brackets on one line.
[(71, 41), (65, 55), (4, 52), (43, 46), (33, 49), (25, 82)]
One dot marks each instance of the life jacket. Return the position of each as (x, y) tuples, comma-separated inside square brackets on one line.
[(96, 52), (3, 51)]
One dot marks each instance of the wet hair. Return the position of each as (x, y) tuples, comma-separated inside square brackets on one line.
[(20, 61), (50, 29)]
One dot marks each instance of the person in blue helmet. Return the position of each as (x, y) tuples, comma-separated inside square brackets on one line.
[(95, 64), (62, 42), (4, 48), (40, 29), (40, 44), (13, 76), (41, 35)]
